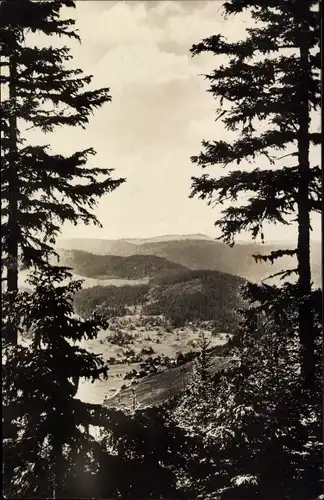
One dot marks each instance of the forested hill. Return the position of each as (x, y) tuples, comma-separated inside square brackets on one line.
[(199, 253), (197, 294), (112, 266), (186, 296)]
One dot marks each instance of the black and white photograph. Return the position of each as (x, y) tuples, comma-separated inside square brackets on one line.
[(161, 249)]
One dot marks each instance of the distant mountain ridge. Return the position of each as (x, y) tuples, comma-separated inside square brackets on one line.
[(201, 252), (168, 237), (69, 243)]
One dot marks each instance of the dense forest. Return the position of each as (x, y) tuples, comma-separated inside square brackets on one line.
[(114, 266), (109, 298), (180, 297), (251, 430)]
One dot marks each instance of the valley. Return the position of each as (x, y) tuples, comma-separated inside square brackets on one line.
[(160, 296), (156, 328), (145, 360)]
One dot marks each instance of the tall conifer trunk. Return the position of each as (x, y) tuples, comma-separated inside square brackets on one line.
[(13, 236), (303, 250), (34, 183), (286, 89)]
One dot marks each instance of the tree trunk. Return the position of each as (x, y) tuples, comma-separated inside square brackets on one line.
[(13, 191), (11, 265), (303, 252)]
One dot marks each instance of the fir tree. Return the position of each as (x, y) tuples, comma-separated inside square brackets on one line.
[(263, 441), (193, 411), (271, 79), (41, 190), (40, 382), (267, 436)]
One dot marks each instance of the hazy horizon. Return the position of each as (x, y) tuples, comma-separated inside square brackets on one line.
[(190, 236)]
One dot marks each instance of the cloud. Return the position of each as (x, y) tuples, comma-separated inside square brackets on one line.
[(142, 64), (117, 25), (159, 113), (160, 110)]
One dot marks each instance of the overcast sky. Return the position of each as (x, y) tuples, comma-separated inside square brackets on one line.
[(159, 113)]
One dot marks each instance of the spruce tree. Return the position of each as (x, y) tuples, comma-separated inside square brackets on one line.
[(193, 410), (40, 189), (40, 383), (192, 413), (271, 79), (263, 441), (261, 418)]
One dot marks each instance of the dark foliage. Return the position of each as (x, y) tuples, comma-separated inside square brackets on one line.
[(40, 382), (268, 102), (265, 436), (180, 297), (109, 299), (205, 295), (112, 266), (41, 189)]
